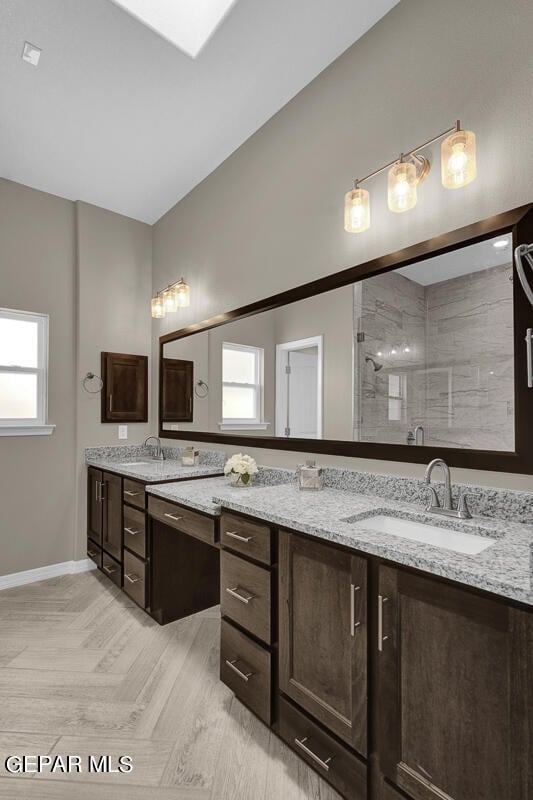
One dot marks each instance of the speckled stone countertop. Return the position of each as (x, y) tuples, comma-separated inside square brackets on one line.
[(134, 461), (505, 568)]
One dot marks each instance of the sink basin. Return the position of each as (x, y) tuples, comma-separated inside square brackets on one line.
[(460, 542)]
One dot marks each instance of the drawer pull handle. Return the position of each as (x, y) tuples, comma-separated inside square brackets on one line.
[(108, 569), (353, 623), (244, 675), (132, 578), (92, 553), (301, 743), (381, 637), (173, 516), (131, 531), (235, 535), (130, 493), (237, 594)]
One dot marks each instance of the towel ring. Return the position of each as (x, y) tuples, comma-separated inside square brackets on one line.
[(89, 377), (204, 389)]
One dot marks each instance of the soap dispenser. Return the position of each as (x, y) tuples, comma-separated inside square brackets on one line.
[(309, 476)]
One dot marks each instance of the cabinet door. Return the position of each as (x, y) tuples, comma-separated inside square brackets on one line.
[(125, 389), (322, 640), (94, 505), (176, 390), (112, 516), (455, 691)]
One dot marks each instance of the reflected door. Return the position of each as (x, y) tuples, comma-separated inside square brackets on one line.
[(299, 388)]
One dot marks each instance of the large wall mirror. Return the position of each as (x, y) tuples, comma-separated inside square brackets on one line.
[(415, 354)]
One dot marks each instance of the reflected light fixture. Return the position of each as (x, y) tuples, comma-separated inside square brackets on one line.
[(458, 168), (500, 244), (175, 295)]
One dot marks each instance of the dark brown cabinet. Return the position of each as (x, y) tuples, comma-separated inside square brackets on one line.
[(323, 634), (125, 387), (455, 691), (176, 390), (94, 504), (112, 515)]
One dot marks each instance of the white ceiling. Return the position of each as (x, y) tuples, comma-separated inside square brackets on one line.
[(473, 258), (117, 116)]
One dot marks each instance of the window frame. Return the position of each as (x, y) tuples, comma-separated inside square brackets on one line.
[(255, 423), (35, 425)]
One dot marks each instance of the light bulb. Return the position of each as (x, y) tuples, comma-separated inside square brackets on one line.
[(402, 194), (182, 291), (458, 159), (357, 211), (393, 351), (158, 308), (406, 349), (170, 301)]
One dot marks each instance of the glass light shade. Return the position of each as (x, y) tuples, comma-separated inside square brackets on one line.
[(183, 296), (170, 300), (402, 186), (158, 308), (357, 211), (458, 159)]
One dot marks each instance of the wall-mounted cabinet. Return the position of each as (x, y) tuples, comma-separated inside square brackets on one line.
[(176, 390), (125, 387)]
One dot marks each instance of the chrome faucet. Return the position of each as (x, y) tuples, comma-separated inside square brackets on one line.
[(434, 506), (157, 451)]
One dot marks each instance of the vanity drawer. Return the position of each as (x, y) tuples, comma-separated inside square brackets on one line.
[(135, 578), (94, 552), (245, 595), (246, 668), (183, 519), (135, 531), (246, 537), (112, 569), (330, 759), (133, 493)]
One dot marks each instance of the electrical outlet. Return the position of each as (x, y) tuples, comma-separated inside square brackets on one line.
[(122, 431)]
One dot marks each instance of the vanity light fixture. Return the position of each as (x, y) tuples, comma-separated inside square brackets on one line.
[(458, 168), (175, 295)]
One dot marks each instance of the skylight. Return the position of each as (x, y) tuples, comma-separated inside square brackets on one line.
[(188, 24)]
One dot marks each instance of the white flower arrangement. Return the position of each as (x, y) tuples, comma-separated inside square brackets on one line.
[(242, 466)]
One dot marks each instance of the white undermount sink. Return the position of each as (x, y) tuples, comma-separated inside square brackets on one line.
[(467, 543)]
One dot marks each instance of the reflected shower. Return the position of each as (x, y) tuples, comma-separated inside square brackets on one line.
[(377, 366)]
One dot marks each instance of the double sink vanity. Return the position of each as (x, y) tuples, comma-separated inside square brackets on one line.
[(390, 647)]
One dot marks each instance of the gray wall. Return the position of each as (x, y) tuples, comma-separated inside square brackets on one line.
[(275, 207), (37, 269), (90, 270)]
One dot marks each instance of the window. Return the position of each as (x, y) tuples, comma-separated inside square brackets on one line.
[(23, 373), (242, 386), (396, 397)]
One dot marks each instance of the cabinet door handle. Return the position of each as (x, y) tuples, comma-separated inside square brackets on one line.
[(130, 493), (132, 578), (102, 495), (109, 570), (131, 531), (111, 402), (244, 675), (173, 516), (381, 637), (529, 357), (97, 491), (235, 535), (301, 743), (237, 594), (353, 623)]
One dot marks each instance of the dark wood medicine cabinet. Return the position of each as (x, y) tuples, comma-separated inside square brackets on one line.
[(125, 387), (519, 224)]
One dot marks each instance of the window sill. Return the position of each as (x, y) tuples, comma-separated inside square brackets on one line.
[(26, 430), (243, 426)]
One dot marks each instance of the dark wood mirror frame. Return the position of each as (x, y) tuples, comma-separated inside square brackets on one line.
[(519, 222)]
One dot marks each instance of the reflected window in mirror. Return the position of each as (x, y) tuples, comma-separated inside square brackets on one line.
[(242, 384)]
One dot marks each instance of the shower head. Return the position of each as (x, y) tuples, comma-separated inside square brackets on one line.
[(377, 366)]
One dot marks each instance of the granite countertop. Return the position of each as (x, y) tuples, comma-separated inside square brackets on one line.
[(135, 461), (505, 568)]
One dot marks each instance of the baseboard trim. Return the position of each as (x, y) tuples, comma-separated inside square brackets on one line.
[(43, 573)]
